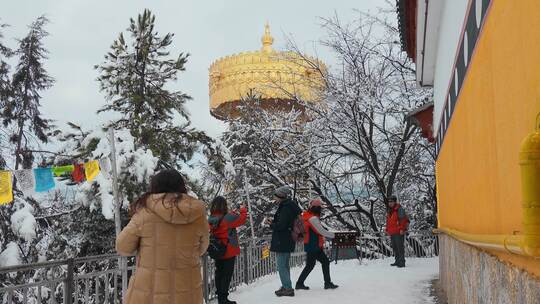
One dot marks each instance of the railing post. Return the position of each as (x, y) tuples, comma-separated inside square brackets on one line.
[(68, 283), (359, 249), (124, 270), (247, 255), (205, 279)]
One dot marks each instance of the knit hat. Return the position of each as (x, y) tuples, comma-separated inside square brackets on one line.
[(283, 192), (315, 203)]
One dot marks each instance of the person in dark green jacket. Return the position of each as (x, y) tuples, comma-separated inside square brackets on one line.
[(282, 242)]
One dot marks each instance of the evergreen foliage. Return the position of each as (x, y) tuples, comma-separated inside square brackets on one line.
[(5, 91), (21, 108), (134, 78)]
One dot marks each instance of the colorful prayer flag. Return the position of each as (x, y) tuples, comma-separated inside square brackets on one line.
[(25, 180), (44, 179), (265, 252), (59, 171), (105, 166), (78, 173), (91, 169), (6, 187)]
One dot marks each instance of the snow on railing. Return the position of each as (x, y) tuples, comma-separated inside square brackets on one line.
[(98, 279)]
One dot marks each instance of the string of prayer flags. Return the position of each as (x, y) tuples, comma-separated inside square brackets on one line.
[(78, 173), (44, 179), (6, 187), (25, 180), (62, 170), (91, 169), (105, 166)]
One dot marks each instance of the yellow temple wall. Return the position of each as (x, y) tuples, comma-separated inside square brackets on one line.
[(478, 174)]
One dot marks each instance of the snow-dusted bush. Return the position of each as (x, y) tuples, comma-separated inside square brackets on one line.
[(23, 222)]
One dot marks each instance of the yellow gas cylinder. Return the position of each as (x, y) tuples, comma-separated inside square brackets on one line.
[(529, 160)]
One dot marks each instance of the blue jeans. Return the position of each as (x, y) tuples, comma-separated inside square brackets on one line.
[(284, 269)]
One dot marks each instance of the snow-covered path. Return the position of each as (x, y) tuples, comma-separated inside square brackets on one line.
[(372, 282)]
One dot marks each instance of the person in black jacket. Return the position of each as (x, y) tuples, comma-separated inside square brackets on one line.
[(282, 242)]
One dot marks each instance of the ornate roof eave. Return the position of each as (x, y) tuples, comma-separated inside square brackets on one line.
[(422, 117), (406, 11)]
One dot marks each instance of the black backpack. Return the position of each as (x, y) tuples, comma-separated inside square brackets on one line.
[(216, 248)]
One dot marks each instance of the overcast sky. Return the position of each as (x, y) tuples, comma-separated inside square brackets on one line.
[(82, 32)]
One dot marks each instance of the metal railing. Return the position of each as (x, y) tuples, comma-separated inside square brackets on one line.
[(98, 279), (420, 244), (94, 279)]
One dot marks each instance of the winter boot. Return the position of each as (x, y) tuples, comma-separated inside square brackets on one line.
[(330, 286), (393, 264), (301, 286), (285, 292), (279, 290)]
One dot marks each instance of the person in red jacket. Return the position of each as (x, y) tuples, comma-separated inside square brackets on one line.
[(314, 246), (223, 226), (397, 223)]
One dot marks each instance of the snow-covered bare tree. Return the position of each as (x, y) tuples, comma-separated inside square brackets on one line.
[(267, 149), (367, 149)]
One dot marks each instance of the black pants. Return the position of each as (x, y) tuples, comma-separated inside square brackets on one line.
[(311, 260), (398, 245), (224, 273)]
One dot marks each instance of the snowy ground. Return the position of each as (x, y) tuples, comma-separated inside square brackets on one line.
[(372, 282)]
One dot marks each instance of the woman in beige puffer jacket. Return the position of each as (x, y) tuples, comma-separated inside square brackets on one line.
[(168, 233)]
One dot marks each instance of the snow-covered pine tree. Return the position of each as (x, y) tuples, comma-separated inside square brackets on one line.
[(91, 202), (5, 91), (134, 78), (26, 128), (21, 109)]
